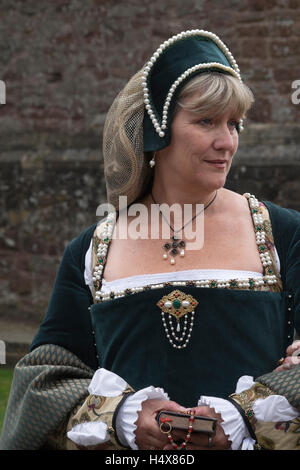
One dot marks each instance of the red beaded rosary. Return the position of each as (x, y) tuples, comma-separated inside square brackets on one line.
[(165, 421)]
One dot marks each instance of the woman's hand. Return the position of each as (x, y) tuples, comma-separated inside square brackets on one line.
[(200, 441), (291, 359), (148, 434)]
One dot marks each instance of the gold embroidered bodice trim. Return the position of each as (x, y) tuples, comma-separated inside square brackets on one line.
[(270, 281)]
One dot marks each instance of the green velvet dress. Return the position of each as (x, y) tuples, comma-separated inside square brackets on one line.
[(234, 330)]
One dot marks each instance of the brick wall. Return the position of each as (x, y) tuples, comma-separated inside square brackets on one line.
[(64, 61)]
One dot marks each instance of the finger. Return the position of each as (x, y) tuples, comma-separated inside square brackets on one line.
[(196, 439), (288, 363), (209, 443), (192, 446), (168, 447), (153, 444), (178, 435), (173, 406), (159, 437), (202, 410), (293, 347), (153, 439)]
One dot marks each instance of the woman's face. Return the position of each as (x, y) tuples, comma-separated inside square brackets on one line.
[(201, 149)]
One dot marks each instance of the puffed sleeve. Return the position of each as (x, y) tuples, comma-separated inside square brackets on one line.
[(272, 435), (286, 383), (67, 322), (51, 382), (286, 231)]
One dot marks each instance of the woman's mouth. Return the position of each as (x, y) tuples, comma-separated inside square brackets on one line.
[(217, 163)]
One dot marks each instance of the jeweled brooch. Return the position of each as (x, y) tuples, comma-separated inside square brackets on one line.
[(178, 311)]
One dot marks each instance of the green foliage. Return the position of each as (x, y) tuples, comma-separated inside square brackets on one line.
[(6, 376)]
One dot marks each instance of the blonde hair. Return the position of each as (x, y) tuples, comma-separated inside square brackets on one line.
[(125, 167), (216, 93)]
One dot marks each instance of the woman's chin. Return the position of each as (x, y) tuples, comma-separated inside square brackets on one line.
[(212, 184)]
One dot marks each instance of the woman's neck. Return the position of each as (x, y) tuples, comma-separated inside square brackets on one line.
[(179, 195)]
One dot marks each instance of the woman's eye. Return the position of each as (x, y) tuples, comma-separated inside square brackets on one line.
[(206, 122), (233, 124)]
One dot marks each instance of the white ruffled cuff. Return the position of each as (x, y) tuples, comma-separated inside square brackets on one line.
[(107, 384), (233, 424), (128, 414), (89, 434), (274, 408)]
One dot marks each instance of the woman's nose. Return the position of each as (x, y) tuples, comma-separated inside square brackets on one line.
[(224, 139)]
